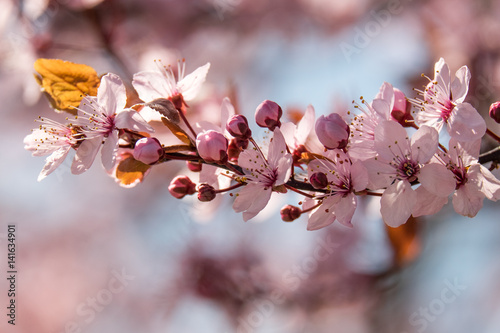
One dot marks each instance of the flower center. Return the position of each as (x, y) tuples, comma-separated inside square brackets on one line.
[(408, 169), (446, 108)]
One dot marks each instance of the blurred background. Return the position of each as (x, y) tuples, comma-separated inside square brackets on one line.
[(95, 257)]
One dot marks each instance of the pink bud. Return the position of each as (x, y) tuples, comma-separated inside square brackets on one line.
[(268, 115), (194, 166), (236, 146), (212, 146), (289, 213), (495, 112), (401, 112), (318, 180), (333, 131), (181, 186), (206, 192), (237, 126), (148, 150)]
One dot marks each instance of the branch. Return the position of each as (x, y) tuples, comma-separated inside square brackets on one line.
[(490, 156)]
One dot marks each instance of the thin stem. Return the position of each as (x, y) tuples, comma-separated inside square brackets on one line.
[(493, 135), (184, 119), (230, 188), (311, 208), (291, 188)]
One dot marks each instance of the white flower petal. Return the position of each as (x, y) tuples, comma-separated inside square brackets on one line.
[(111, 94), (460, 86), (53, 161), (131, 119), (427, 202), (424, 144), (109, 151), (151, 85), (85, 155), (437, 179), (191, 83), (465, 123)]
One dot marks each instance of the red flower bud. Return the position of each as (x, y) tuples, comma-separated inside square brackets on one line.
[(237, 126), (206, 192), (193, 166), (268, 114), (148, 150), (318, 180), (289, 213), (333, 131), (495, 112), (181, 186), (212, 146)]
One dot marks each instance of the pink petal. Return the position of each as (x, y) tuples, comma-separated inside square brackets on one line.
[(467, 152), (442, 75), (490, 185), (151, 85), (465, 123), (324, 215), (277, 148), (424, 144), (53, 161), (437, 179), (132, 120), (109, 151), (111, 94), (390, 138), (397, 203), (85, 155), (305, 126), (284, 169), (344, 210), (191, 83), (359, 176), (460, 86), (226, 111), (251, 200), (427, 202), (379, 174), (468, 200)]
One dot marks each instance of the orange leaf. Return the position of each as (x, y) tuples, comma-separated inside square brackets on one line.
[(66, 83), (177, 131), (405, 241), (130, 171)]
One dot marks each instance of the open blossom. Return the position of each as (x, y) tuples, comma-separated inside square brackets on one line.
[(52, 138), (472, 181), (363, 126), (262, 175), (302, 137), (401, 161), (163, 83), (100, 119), (443, 105), (343, 179)]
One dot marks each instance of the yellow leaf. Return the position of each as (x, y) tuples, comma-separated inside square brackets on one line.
[(66, 83), (130, 171), (177, 131)]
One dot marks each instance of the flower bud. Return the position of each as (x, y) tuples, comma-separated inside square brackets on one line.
[(318, 180), (206, 192), (332, 131), (401, 112), (289, 213), (181, 186), (237, 126), (212, 146), (236, 146), (193, 166), (148, 150), (268, 114), (495, 111)]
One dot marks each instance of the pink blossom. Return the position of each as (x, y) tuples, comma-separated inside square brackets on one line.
[(101, 119), (52, 138), (344, 179), (472, 181), (363, 126), (163, 83), (443, 105), (400, 162), (262, 175)]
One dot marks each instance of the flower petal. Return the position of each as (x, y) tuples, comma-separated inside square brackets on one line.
[(132, 120), (388, 135), (468, 200), (109, 151), (191, 83), (460, 86), (324, 215), (427, 202), (53, 161), (345, 208), (465, 123), (397, 203), (85, 155), (111, 94), (151, 85), (437, 179), (424, 144)]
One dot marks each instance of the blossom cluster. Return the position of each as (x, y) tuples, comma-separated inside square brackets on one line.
[(389, 147)]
